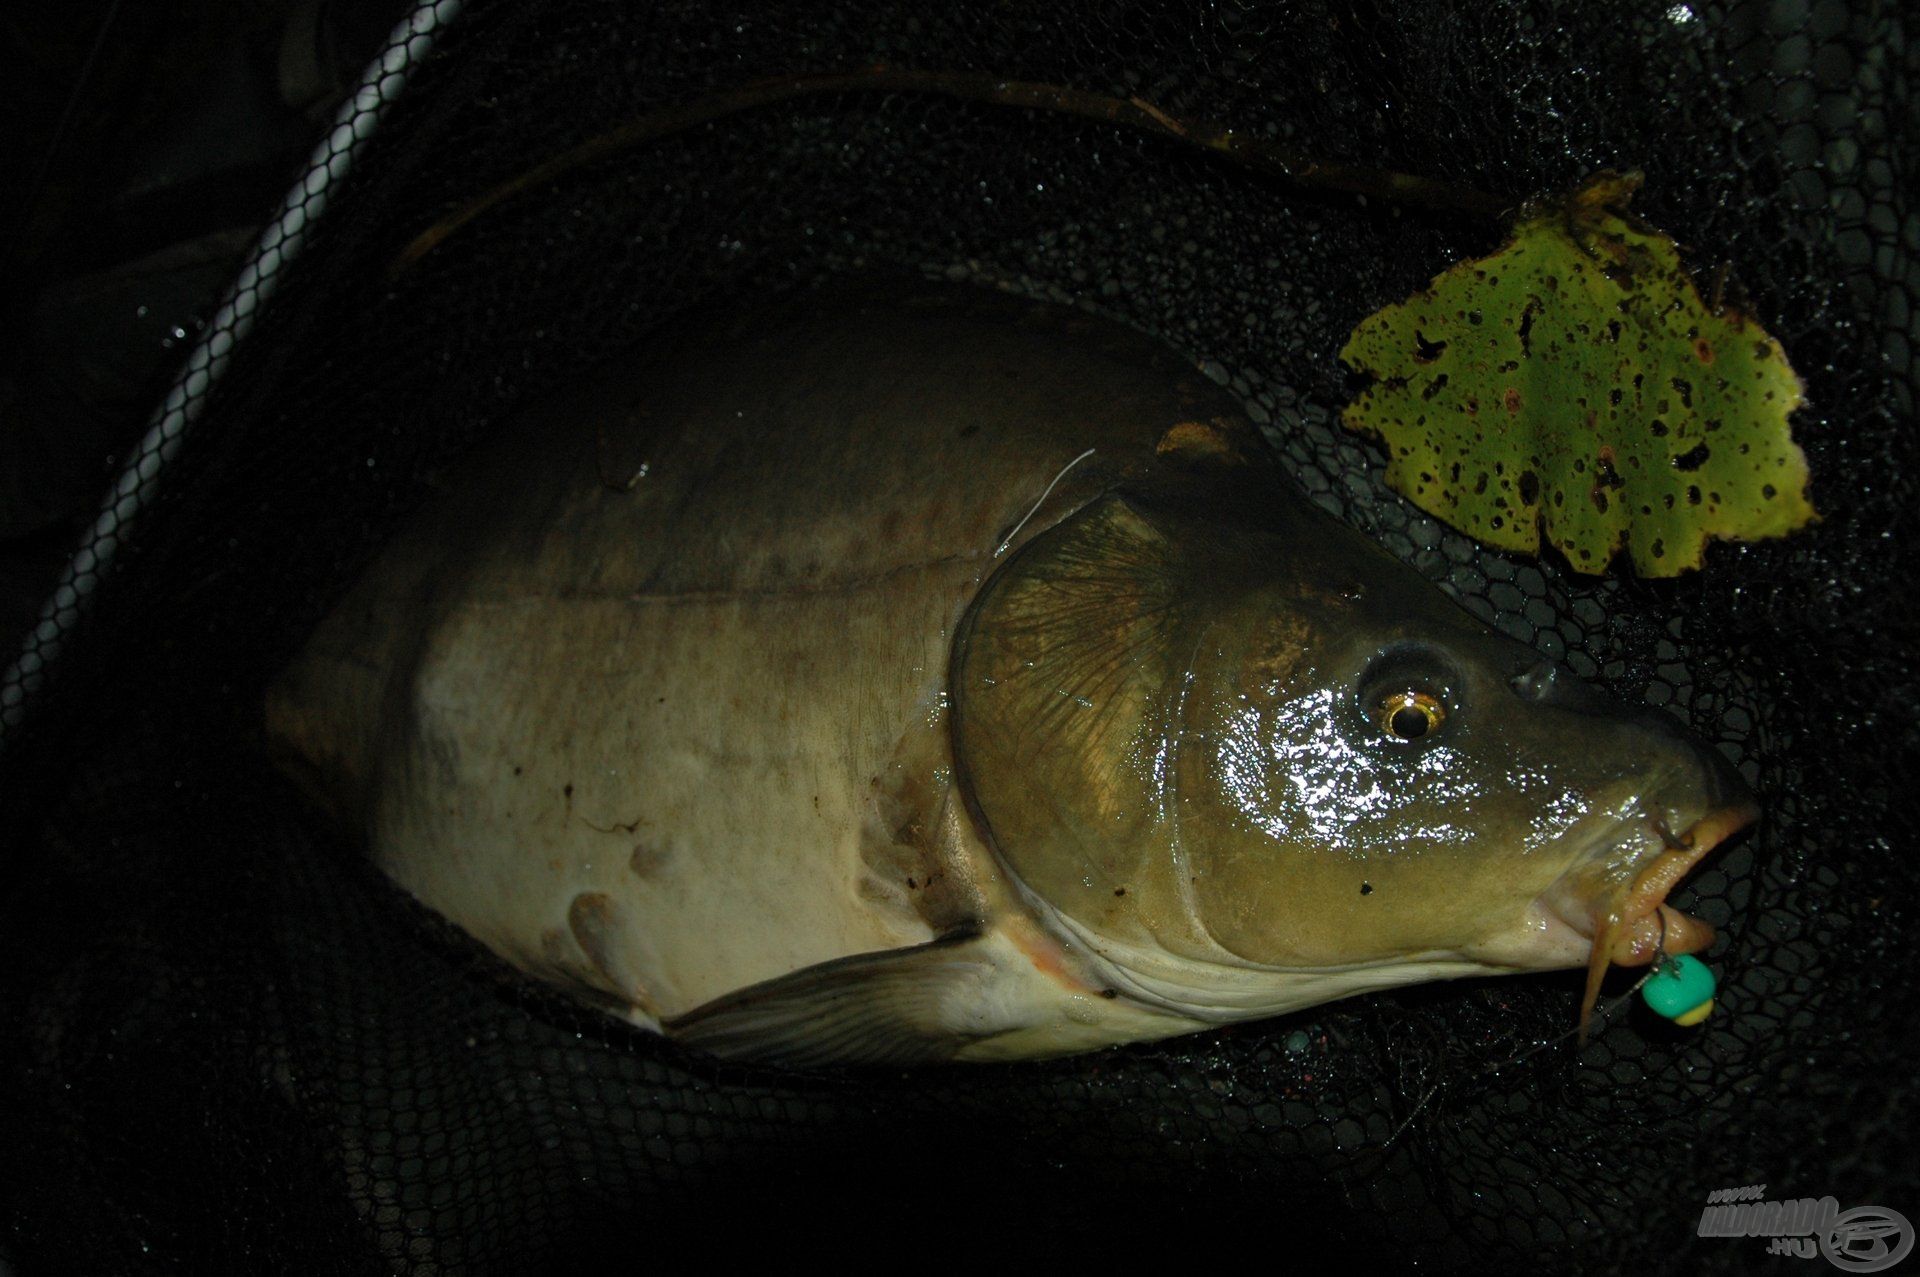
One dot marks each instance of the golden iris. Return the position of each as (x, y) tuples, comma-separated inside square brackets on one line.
[(1410, 715)]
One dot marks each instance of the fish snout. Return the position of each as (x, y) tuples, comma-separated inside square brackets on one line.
[(1694, 799), (1726, 788), (1700, 801), (1720, 783)]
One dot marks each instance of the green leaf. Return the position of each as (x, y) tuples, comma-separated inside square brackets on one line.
[(1575, 381)]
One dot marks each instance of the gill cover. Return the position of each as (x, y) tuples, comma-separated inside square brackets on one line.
[(1071, 677)]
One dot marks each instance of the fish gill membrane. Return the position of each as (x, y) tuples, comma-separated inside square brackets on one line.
[(954, 677)]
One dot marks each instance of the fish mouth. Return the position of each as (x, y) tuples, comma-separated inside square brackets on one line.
[(1627, 921)]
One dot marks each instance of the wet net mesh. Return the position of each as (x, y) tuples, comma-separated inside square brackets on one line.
[(229, 1045)]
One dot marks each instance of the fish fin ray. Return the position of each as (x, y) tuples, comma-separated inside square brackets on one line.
[(893, 1007)]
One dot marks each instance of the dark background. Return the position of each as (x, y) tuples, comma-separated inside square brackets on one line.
[(146, 143), (230, 1047)]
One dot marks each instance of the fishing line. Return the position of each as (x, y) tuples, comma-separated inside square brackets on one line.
[(1008, 539), (1602, 1009)]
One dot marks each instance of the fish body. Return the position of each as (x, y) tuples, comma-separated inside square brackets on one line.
[(954, 677)]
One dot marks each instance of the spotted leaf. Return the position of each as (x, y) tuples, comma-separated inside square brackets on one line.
[(1576, 384)]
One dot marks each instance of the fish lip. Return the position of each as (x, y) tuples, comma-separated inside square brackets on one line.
[(1623, 914), (1634, 926)]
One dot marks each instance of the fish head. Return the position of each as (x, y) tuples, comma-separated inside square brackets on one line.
[(1241, 752)]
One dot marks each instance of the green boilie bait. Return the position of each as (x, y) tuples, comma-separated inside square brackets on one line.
[(1681, 990)]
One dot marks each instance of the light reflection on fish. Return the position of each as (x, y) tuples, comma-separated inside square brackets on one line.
[(748, 694)]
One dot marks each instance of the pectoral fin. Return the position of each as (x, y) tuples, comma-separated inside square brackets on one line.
[(901, 1006)]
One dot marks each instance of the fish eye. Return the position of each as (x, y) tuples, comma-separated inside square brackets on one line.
[(1409, 715)]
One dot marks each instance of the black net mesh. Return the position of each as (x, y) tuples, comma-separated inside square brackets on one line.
[(230, 1045)]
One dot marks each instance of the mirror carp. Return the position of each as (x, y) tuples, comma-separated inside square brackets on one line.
[(945, 676)]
